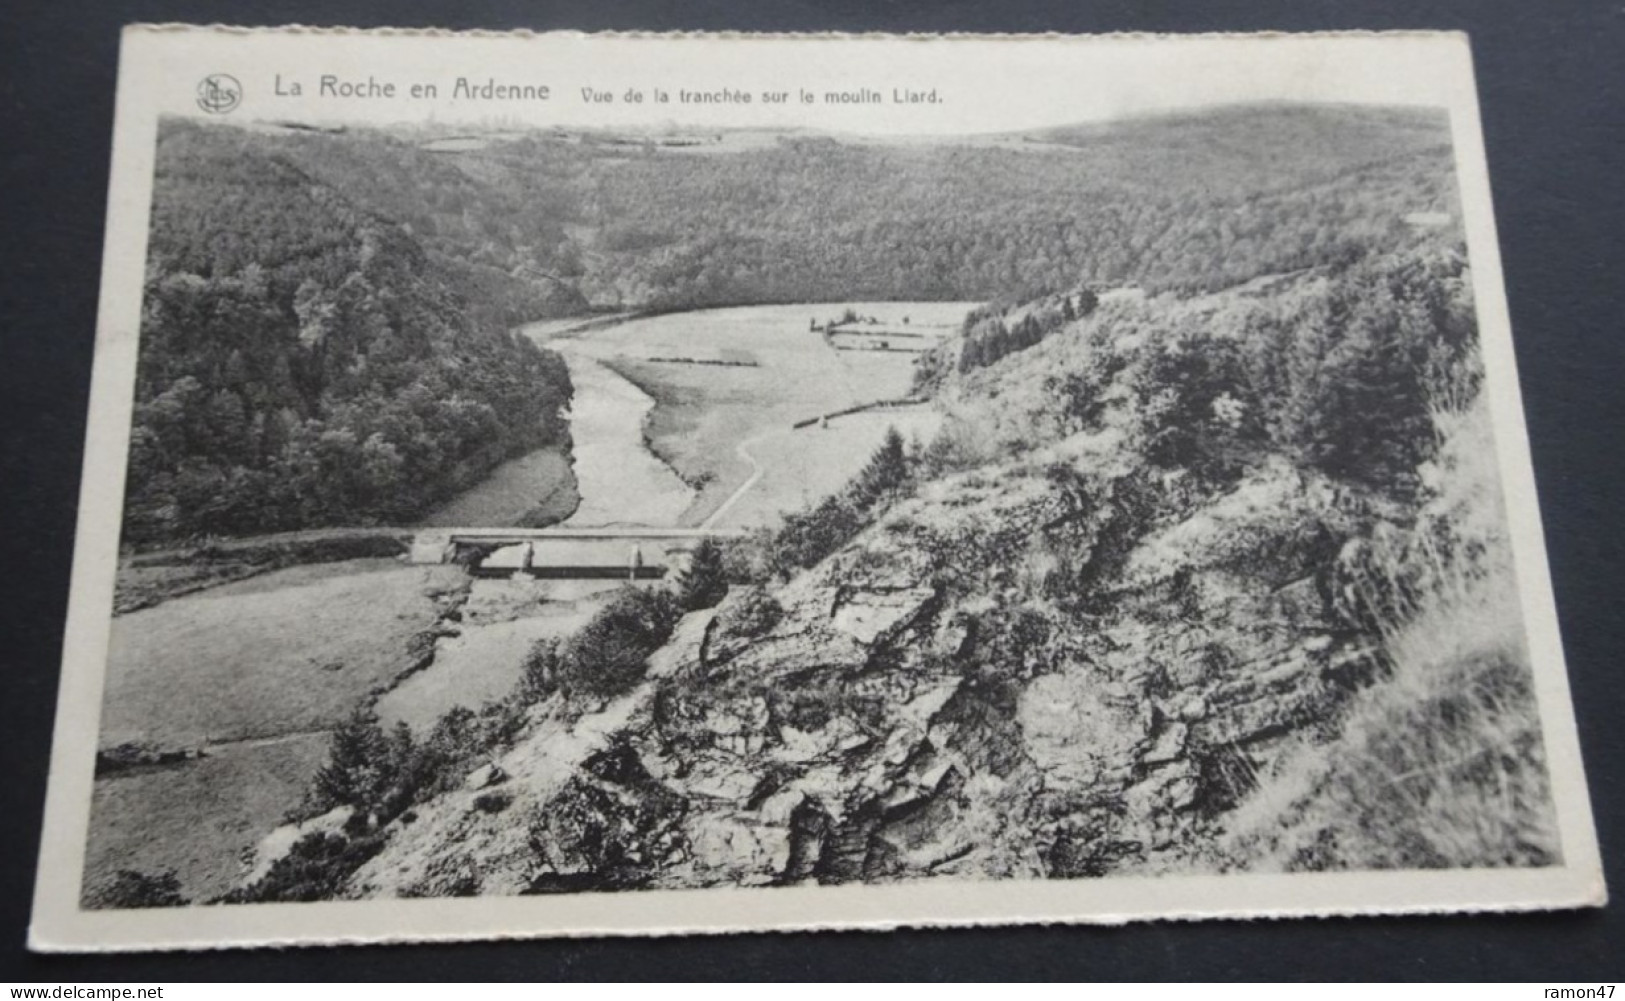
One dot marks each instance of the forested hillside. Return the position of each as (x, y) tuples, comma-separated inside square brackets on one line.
[(306, 362), (324, 335), (818, 218), (1191, 202)]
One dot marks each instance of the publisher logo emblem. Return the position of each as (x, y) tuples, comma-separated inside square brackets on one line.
[(218, 93)]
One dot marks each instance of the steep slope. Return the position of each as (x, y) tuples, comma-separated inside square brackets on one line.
[(305, 362), (1164, 583)]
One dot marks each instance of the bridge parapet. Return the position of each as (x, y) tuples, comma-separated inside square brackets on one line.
[(431, 547), (585, 549)]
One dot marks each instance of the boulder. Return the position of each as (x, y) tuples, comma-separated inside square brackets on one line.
[(684, 651), (1079, 731), (1168, 747), (486, 775), (736, 849), (872, 617), (728, 781)]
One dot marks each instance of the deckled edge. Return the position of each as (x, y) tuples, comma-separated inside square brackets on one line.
[(1597, 896), (167, 27)]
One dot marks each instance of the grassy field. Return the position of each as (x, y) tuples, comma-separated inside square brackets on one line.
[(257, 670), (704, 413), (533, 491), (197, 818), (151, 577), (288, 651), (800, 467)]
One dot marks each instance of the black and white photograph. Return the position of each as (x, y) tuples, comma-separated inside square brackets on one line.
[(571, 484)]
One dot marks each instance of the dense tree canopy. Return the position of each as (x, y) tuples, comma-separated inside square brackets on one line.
[(305, 362), (1191, 203)]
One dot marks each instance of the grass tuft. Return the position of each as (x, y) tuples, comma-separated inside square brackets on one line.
[(1439, 764)]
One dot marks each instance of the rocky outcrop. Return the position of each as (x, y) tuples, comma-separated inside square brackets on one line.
[(1021, 674), (1026, 670)]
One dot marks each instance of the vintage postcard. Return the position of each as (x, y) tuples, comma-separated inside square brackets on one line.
[(612, 484)]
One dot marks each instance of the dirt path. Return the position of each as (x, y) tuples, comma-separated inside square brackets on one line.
[(756, 470)]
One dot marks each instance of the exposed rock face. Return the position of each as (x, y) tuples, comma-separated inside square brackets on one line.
[(274, 846), (1019, 675)]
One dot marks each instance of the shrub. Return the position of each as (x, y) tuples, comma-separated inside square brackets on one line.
[(381, 774), (315, 868), (1082, 389), (607, 656), (931, 369), (806, 538), (960, 445), (1357, 375), (886, 472), (438, 762), (493, 802), (608, 827), (1197, 408), (131, 889), (539, 676)]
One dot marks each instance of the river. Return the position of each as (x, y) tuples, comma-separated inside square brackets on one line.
[(607, 477), (714, 398), (620, 481)]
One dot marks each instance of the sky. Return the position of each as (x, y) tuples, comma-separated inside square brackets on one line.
[(981, 84)]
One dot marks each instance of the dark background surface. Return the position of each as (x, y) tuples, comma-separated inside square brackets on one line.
[(1553, 96)]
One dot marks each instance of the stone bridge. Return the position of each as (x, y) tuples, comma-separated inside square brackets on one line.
[(635, 553)]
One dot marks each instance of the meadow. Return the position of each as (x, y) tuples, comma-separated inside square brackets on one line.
[(718, 425), (534, 490), (198, 818), (285, 652)]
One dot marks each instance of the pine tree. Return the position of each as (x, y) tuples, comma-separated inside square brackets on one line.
[(360, 765), (704, 581), (887, 470)]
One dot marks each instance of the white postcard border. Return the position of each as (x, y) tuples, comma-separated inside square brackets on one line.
[(149, 58)]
